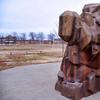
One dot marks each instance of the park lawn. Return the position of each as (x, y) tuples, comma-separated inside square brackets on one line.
[(18, 55)]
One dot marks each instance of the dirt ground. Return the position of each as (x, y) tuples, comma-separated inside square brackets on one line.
[(24, 54)]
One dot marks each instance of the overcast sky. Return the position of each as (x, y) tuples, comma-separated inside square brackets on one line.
[(35, 15)]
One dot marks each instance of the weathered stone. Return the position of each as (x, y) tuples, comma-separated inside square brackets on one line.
[(80, 68), (72, 90), (67, 19)]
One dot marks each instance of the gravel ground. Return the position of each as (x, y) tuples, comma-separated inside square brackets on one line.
[(32, 82)]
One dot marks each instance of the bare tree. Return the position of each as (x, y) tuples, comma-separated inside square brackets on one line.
[(23, 37), (15, 35), (51, 37), (1, 37), (40, 36), (32, 36)]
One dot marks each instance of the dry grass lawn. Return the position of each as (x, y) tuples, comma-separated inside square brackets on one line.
[(16, 55)]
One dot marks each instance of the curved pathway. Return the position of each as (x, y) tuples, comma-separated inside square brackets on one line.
[(32, 82)]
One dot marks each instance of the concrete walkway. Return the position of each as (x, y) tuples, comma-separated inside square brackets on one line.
[(33, 82)]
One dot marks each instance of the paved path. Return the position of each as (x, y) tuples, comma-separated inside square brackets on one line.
[(33, 82)]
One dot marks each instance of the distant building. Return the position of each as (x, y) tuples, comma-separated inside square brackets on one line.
[(8, 40), (13, 40), (58, 41)]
